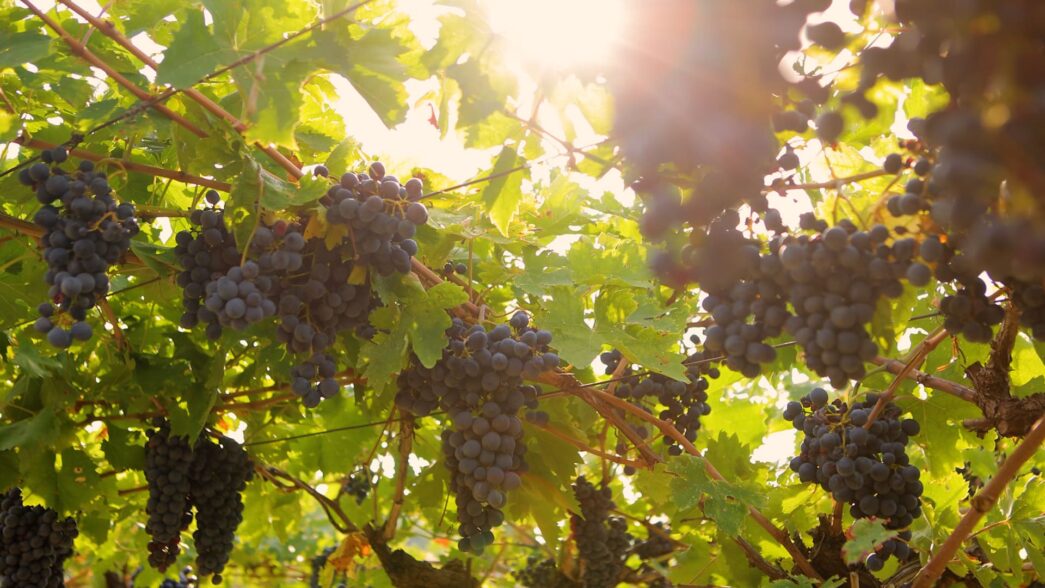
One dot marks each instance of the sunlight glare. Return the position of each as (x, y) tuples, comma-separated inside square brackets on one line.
[(559, 34)]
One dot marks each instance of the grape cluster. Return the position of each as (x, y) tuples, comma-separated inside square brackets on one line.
[(301, 281), (478, 364), (677, 47), (543, 573), (822, 288), (484, 453), (382, 216), (317, 303), (319, 366), (478, 381), (1030, 299), (970, 172), (220, 472), (209, 476), (865, 467), (658, 542), (86, 232), (603, 542), (836, 280), (236, 299), (358, 485), (168, 459), (683, 402), (206, 253), (34, 543)]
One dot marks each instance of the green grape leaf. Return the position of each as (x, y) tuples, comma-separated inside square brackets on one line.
[(1026, 366), (77, 480), (724, 502), (122, 449), (40, 429), (24, 47), (8, 468), (563, 315), (865, 535), (193, 53), (28, 357), (503, 194)]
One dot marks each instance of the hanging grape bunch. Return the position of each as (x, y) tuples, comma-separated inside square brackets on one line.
[(478, 381), (86, 232), (206, 253), (34, 543), (358, 485), (300, 281), (167, 462), (683, 402), (382, 216), (603, 541), (865, 467), (219, 474), (208, 476)]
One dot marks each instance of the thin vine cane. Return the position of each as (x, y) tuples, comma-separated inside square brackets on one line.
[(85, 53), (982, 503), (109, 29)]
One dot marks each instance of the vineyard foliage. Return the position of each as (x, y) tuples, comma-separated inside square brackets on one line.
[(756, 301)]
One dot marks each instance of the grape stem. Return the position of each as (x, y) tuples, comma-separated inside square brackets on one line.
[(927, 380), (982, 503), (85, 54), (117, 332), (828, 185), (589, 449), (406, 444), (917, 356), (289, 483)]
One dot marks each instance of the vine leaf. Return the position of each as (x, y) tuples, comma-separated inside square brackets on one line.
[(77, 480), (8, 469), (123, 450), (866, 534), (1027, 366), (41, 427), (563, 316), (724, 502), (417, 318), (140, 15), (19, 48), (1028, 522), (192, 54), (32, 361), (502, 195), (6, 123)]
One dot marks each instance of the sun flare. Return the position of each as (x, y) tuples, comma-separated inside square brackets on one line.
[(559, 34)]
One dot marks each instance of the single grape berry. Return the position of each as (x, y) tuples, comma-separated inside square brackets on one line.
[(893, 163)]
